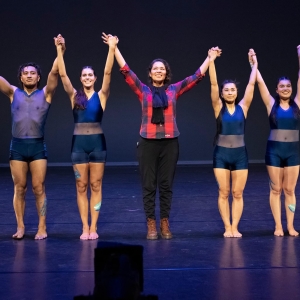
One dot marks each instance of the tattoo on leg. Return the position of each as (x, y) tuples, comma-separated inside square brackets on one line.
[(271, 183), (77, 174), (292, 207), (97, 206), (44, 208)]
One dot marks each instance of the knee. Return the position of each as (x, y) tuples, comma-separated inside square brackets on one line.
[(20, 191), (96, 186), (81, 187), (289, 192), (224, 194), (38, 189), (237, 195), (275, 190)]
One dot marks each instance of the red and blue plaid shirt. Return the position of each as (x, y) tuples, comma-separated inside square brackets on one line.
[(169, 128)]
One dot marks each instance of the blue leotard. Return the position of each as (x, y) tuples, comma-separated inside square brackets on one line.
[(279, 153), (89, 147), (230, 152)]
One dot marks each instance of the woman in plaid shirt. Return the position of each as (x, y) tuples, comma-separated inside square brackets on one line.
[(158, 145)]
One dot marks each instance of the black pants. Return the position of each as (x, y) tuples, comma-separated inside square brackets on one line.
[(157, 163)]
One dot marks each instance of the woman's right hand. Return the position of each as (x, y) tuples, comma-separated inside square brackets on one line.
[(214, 52), (108, 38), (252, 57), (59, 42)]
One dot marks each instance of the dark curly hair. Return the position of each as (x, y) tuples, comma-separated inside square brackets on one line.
[(80, 99), (30, 64), (219, 118), (167, 66), (293, 105)]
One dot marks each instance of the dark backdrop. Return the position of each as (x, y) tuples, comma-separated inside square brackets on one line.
[(179, 31)]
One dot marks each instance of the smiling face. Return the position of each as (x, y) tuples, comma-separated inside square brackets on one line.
[(88, 78), (284, 89), (229, 92), (158, 73), (29, 77)]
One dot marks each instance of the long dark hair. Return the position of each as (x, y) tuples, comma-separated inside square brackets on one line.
[(167, 66), (80, 99), (292, 104), (219, 118), (30, 64)]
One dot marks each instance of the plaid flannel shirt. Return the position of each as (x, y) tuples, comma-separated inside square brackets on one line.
[(169, 128)]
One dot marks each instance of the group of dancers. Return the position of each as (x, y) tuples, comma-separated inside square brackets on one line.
[(158, 147)]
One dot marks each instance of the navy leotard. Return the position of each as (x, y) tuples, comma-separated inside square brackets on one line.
[(231, 157), (279, 153), (89, 147)]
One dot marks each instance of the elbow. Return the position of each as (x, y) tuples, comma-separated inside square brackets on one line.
[(62, 75), (107, 72), (54, 72)]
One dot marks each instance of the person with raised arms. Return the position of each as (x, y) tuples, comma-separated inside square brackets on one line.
[(88, 143)]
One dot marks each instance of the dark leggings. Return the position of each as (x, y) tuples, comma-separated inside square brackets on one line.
[(157, 163)]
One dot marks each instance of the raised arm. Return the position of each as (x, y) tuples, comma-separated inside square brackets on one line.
[(112, 42), (264, 92), (130, 77), (297, 98), (189, 82), (6, 88), (214, 88), (52, 80), (246, 101), (120, 59), (68, 87)]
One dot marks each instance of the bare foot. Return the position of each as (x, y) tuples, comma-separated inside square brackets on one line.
[(293, 232), (236, 234), (228, 232), (41, 234), (93, 236), (19, 235), (278, 232), (85, 236)]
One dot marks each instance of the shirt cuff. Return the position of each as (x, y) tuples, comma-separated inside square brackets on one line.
[(199, 75), (125, 69)]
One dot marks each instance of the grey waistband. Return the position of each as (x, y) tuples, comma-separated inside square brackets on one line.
[(283, 135), (87, 128), (231, 141)]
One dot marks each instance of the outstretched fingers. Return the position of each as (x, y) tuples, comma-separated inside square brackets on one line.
[(105, 37), (109, 39)]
